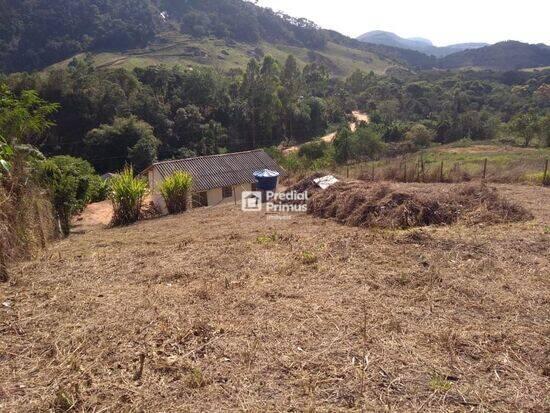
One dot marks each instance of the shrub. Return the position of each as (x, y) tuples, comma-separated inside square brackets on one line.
[(98, 189), (175, 191), (126, 194), (73, 184), (313, 150), (420, 135), (367, 143)]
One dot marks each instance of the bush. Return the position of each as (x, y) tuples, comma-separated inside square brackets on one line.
[(73, 184), (367, 143), (313, 150), (175, 191), (420, 135), (126, 194), (98, 189)]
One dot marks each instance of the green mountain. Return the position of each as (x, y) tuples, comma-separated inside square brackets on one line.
[(510, 55), (419, 44), (35, 34)]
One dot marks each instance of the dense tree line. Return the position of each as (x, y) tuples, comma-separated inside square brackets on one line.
[(410, 112), (117, 117), (35, 34), (473, 104), (509, 55), (242, 21)]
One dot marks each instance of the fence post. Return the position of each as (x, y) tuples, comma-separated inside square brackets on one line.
[(485, 169), (545, 174), (441, 173), (347, 170), (405, 174), (373, 171), (422, 167)]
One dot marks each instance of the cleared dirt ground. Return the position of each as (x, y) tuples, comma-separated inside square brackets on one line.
[(235, 312)]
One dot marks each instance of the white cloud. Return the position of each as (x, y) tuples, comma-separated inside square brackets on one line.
[(443, 22)]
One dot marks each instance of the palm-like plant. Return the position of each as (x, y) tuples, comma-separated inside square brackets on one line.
[(175, 191), (126, 193)]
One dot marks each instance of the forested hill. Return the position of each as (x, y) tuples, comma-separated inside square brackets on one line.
[(35, 34), (508, 55)]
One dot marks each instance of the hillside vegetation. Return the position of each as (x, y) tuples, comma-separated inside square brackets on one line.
[(111, 116), (508, 55), (36, 34), (173, 48)]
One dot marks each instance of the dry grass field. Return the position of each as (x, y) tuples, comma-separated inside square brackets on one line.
[(232, 311)]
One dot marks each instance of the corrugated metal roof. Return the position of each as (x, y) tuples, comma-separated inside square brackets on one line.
[(217, 171)]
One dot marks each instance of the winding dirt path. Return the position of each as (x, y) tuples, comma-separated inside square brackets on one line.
[(359, 117)]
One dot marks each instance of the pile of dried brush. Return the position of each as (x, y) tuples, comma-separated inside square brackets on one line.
[(383, 205), (308, 185)]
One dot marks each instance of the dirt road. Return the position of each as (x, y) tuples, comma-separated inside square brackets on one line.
[(359, 117)]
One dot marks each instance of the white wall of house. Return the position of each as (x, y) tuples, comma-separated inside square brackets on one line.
[(215, 196)]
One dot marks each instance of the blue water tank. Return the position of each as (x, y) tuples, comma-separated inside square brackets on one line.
[(267, 180)]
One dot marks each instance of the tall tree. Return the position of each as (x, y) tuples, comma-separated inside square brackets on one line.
[(24, 118), (343, 145), (316, 77), (291, 90), (270, 104), (526, 126), (250, 92)]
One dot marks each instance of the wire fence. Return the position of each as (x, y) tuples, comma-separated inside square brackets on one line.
[(419, 170)]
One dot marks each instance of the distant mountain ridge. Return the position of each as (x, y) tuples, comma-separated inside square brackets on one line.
[(418, 44), (508, 55)]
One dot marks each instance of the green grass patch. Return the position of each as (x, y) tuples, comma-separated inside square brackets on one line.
[(440, 384)]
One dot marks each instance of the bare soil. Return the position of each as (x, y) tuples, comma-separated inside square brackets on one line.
[(233, 311), (97, 214)]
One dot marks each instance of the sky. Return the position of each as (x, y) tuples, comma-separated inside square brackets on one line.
[(443, 22)]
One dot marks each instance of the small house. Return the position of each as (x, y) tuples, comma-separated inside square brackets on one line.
[(217, 179)]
